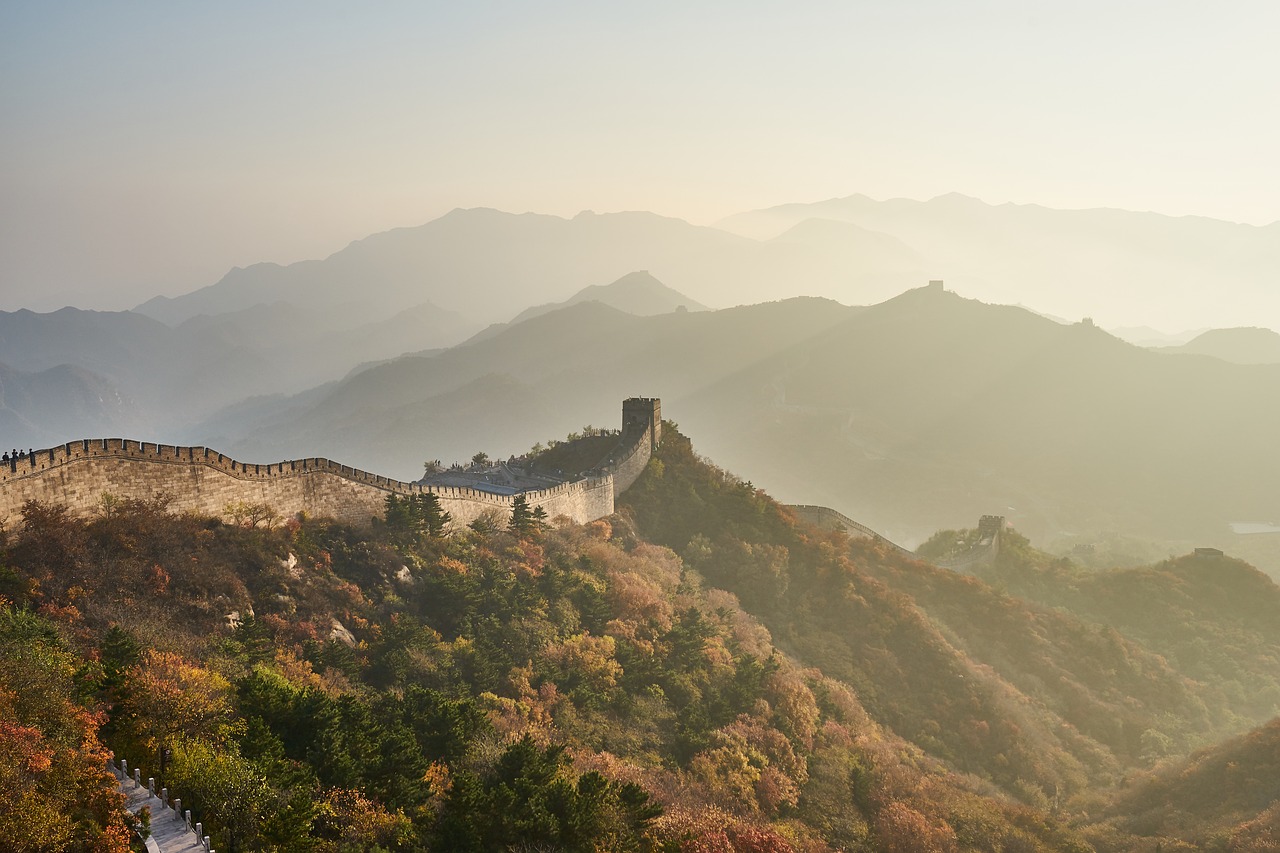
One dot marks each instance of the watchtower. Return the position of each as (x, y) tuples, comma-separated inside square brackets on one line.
[(639, 413), (990, 525)]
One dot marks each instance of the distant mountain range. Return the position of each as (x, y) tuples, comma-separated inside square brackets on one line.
[(637, 293), (488, 266), (218, 367), (60, 400), (174, 377), (1121, 267), (484, 330), (1242, 346), (919, 413), (538, 379)]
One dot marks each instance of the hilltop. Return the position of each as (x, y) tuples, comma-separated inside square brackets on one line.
[(1249, 345), (487, 265), (637, 293)]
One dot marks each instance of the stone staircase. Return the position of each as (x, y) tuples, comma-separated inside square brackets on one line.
[(171, 828)]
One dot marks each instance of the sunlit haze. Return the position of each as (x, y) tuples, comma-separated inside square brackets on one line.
[(146, 148), (792, 427)]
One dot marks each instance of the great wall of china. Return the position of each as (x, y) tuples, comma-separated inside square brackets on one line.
[(201, 480), (990, 528)]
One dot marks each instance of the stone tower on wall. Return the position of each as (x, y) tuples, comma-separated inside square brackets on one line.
[(639, 413)]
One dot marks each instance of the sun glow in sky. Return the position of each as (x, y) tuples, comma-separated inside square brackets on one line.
[(147, 147)]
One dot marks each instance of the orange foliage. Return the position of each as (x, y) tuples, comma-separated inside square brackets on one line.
[(357, 822), (173, 696), (902, 829)]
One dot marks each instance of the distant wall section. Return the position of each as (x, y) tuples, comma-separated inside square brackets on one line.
[(826, 518), (990, 528)]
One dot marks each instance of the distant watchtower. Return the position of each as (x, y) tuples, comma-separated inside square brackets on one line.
[(639, 413), (935, 284), (990, 526)]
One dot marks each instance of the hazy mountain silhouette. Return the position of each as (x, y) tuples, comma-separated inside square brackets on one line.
[(174, 376), (1138, 268), (40, 408), (571, 361), (34, 341), (1127, 267), (636, 293), (935, 408), (919, 413), (1250, 345), (489, 265), (1145, 336)]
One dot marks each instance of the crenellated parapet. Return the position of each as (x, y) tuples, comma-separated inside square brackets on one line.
[(203, 480)]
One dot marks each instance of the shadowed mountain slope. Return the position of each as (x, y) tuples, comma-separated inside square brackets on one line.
[(917, 414), (567, 363), (1027, 695), (929, 410)]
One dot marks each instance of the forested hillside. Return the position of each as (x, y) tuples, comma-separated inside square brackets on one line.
[(699, 672), (1224, 798)]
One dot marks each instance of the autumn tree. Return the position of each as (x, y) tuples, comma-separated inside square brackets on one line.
[(55, 791)]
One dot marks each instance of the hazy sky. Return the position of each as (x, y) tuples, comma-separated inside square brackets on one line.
[(147, 147)]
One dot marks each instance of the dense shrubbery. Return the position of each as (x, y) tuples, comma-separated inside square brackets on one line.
[(820, 594), (55, 791)]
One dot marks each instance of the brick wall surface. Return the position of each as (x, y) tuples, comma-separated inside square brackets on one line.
[(201, 480)]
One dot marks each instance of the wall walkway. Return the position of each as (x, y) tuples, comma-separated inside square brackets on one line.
[(202, 480)]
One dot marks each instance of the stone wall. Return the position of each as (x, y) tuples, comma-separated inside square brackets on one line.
[(201, 480), (641, 433), (984, 553), (829, 519)]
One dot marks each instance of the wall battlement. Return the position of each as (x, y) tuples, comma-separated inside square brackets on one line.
[(200, 479), (639, 413)]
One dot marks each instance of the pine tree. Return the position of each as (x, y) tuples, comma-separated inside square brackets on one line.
[(526, 520), (398, 512), (521, 517), (434, 518)]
